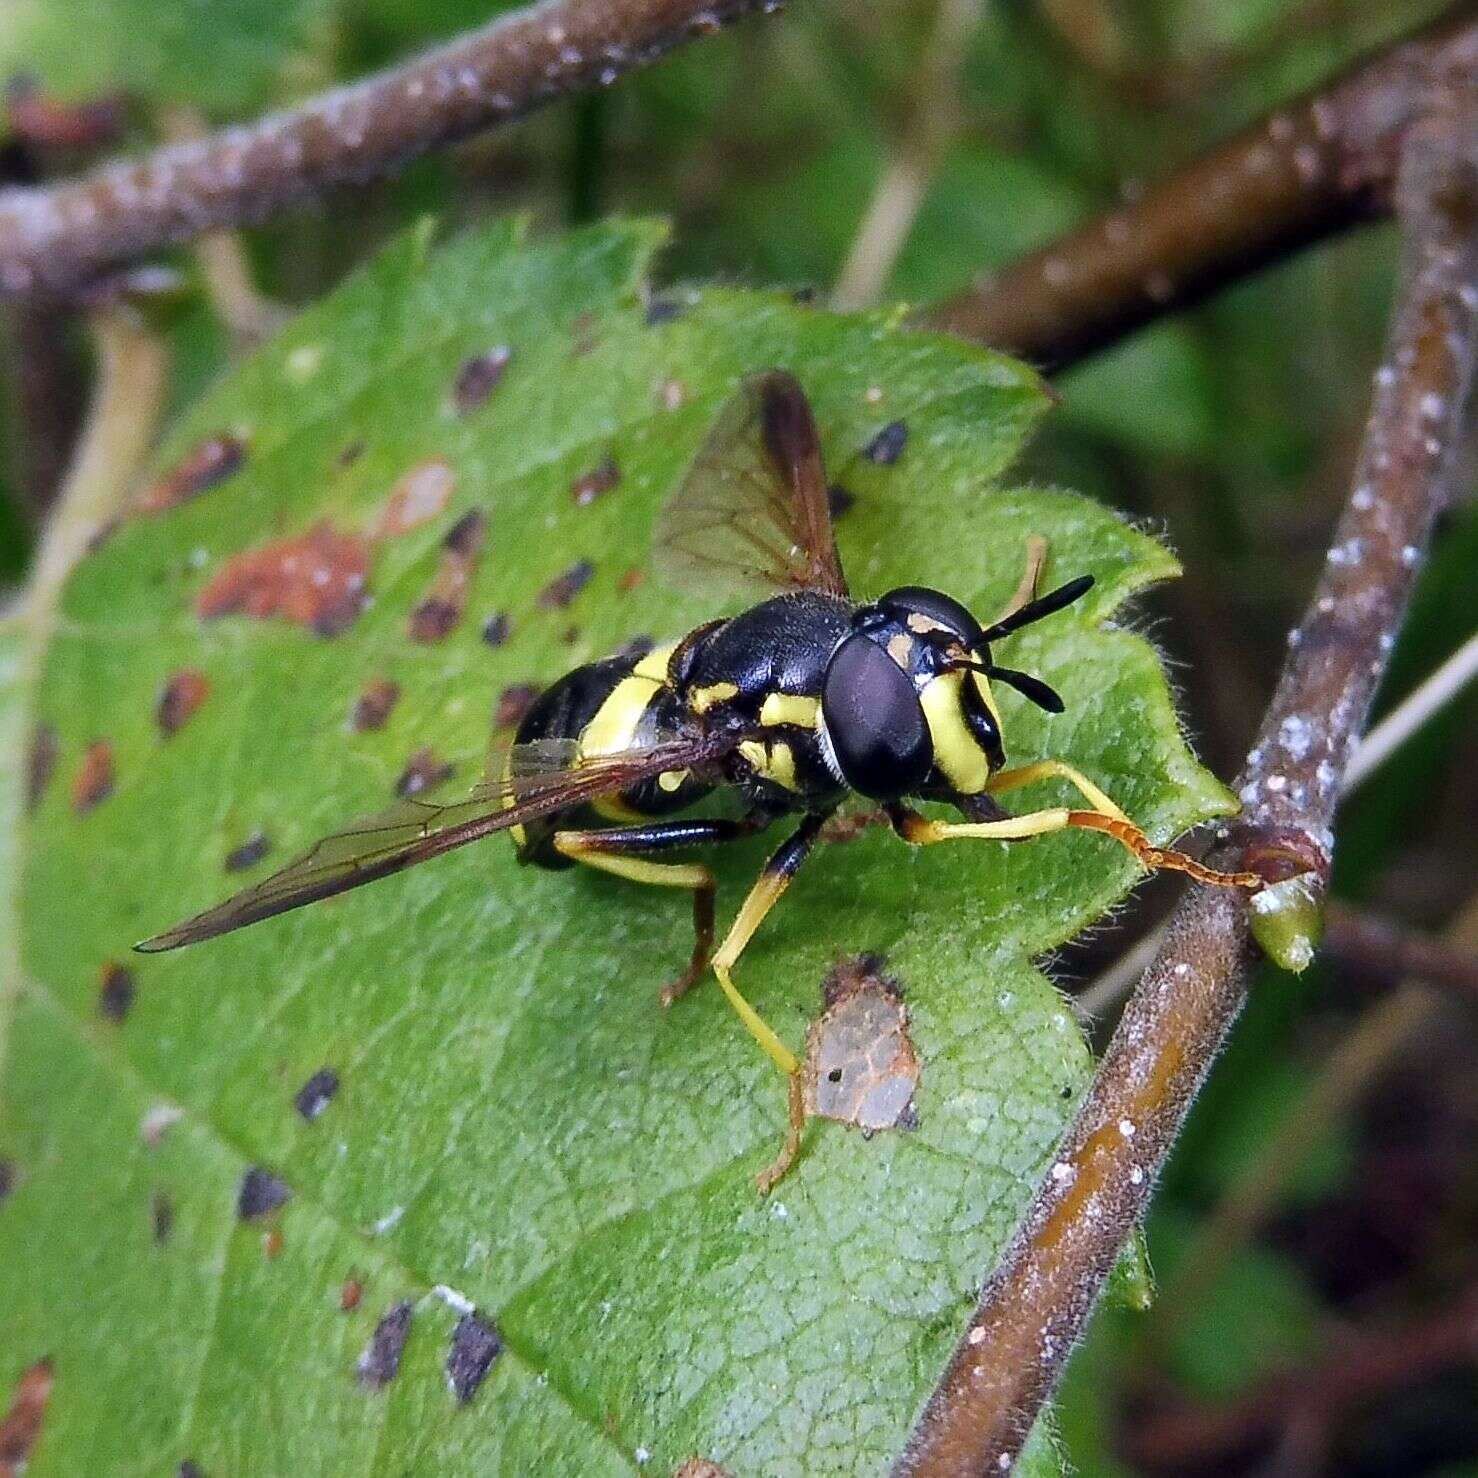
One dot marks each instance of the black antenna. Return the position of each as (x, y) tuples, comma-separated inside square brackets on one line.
[(1024, 683), (1034, 610), (1030, 687)]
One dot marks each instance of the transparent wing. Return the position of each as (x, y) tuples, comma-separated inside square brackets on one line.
[(751, 514), (526, 782)]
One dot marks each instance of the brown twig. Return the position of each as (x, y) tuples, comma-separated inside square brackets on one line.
[(1360, 1367), (1035, 1304), (1370, 945), (1308, 170), (53, 238)]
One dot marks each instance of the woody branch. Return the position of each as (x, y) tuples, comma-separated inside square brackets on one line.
[(1036, 1302), (54, 237)]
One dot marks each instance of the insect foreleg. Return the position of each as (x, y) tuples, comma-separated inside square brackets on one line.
[(624, 851), (773, 880), (1005, 780)]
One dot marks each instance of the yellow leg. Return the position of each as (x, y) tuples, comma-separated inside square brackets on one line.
[(769, 886), (762, 898), (1006, 780), (779, 1167), (920, 831), (1031, 579)]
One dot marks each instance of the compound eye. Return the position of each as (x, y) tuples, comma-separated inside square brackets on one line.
[(875, 721)]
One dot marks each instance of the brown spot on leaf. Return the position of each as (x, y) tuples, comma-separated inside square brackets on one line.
[(861, 1066), (40, 763), (600, 480), (260, 1194), (478, 377), (887, 446), (475, 1345), (316, 579), (513, 703), (495, 629), (441, 609), (272, 1243), (422, 771), (701, 1467), (372, 708), (350, 1294), (182, 694), (93, 782), (380, 1362), (561, 590), (161, 1215), (630, 579), (249, 853), (317, 1093), (21, 1426), (582, 332), (351, 454), (115, 992), (421, 495), (207, 464)]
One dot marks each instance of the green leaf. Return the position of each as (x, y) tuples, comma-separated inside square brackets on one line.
[(516, 1117), (224, 55)]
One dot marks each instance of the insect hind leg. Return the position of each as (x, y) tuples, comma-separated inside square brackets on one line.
[(625, 852)]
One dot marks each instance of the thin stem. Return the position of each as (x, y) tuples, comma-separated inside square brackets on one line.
[(933, 120), (53, 238), (1308, 170), (1035, 1303)]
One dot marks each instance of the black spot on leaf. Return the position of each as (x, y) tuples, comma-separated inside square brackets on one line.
[(115, 992), (40, 763), (380, 1362), (495, 629), (422, 771), (475, 1345), (561, 590), (261, 1193), (161, 1211), (317, 1093), (887, 446), (249, 853), (839, 500), (7, 1178), (478, 377), (513, 703), (373, 706), (600, 480)]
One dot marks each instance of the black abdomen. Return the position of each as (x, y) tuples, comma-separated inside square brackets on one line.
[(616, 703)]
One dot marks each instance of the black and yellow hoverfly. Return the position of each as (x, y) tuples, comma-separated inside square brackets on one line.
[(798, 702)]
